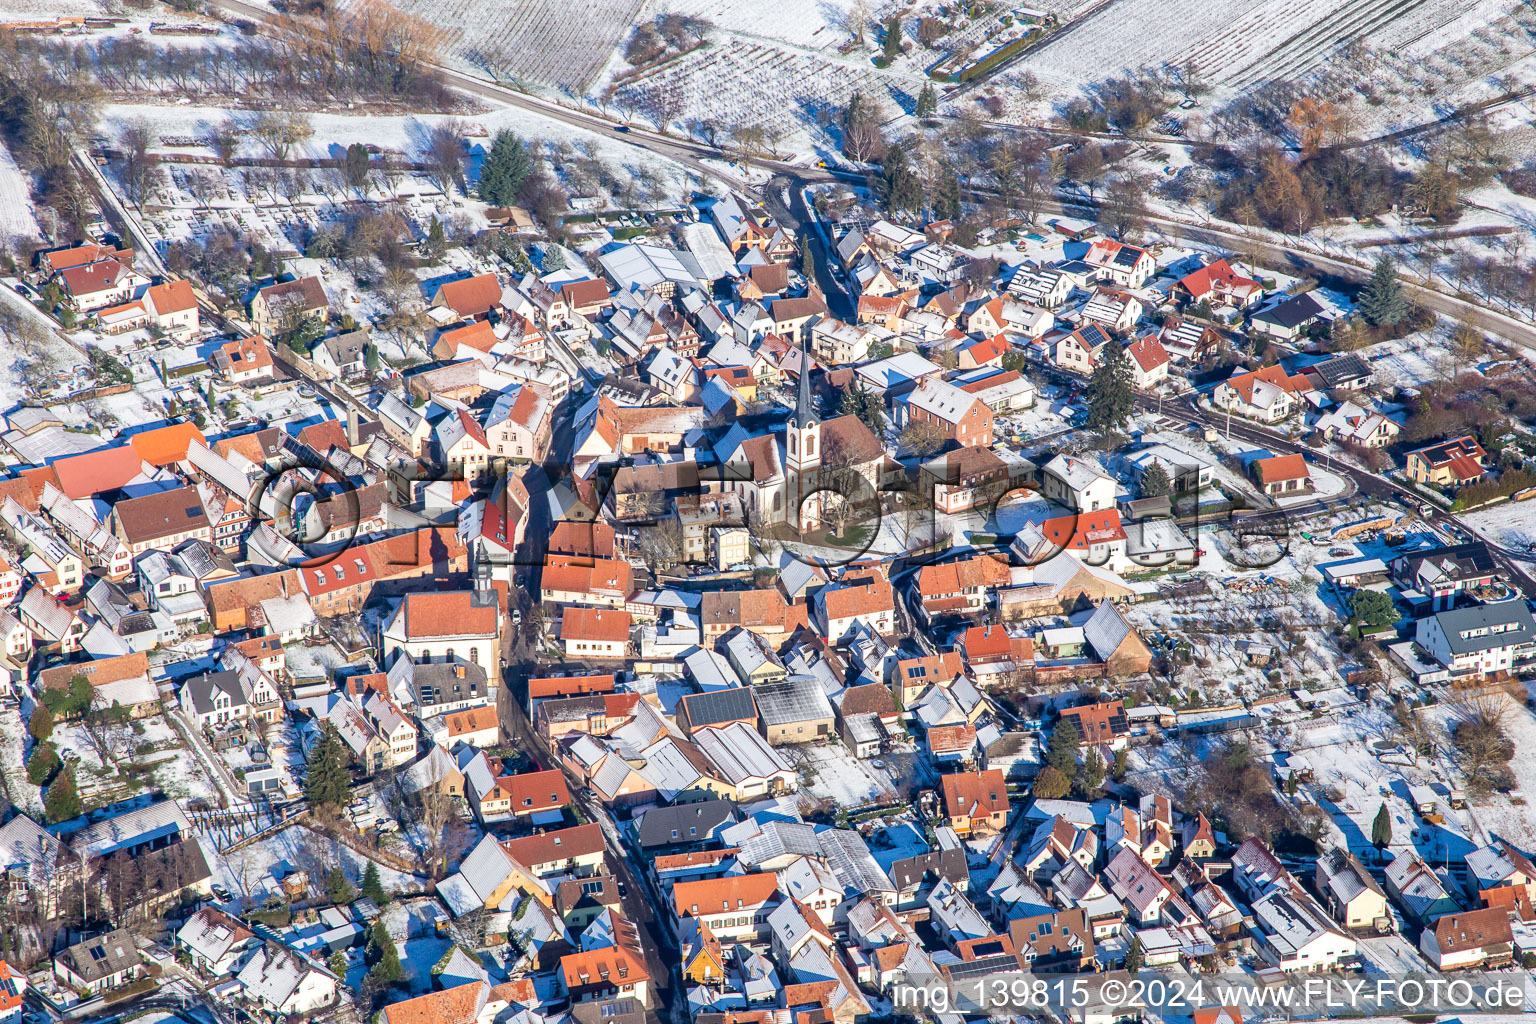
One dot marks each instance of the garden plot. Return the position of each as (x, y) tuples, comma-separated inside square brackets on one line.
[(247, 872), (829, 772), (1504, 815)]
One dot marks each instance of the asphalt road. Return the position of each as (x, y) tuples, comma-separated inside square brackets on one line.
[(1367, 483)]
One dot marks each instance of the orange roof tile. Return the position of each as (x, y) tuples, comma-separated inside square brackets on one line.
[(717, 895), (165, 445)]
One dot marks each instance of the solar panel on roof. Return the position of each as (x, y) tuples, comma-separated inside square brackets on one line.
[(1127, 257)]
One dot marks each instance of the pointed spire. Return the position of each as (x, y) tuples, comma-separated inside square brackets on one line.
[(805, 410)]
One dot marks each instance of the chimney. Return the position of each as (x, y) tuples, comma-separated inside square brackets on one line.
[(351, 425)]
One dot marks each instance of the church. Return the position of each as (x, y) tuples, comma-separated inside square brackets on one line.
[(780, 476)]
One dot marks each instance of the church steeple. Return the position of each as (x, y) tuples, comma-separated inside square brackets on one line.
[(805, 407)]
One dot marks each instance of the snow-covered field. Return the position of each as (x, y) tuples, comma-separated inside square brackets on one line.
[(16, 217), (743, 82), (548, 44), (1511, 525)]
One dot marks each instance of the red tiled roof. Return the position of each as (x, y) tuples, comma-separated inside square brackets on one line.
[(717, 895), (1148, 353), (471, 296), (974, 793), (172, 297), (81, 476), (602, 624), (1082, 531), (1281, 468), (165, 445), (549, 847), (539, 791), (447, 614)]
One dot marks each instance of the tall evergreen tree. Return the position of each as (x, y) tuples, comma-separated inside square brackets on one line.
[(927, 101), (383, 955), (373, 886), (1381, 829), (1382, 301), (946, 203), (900, 186), (337, 888), (355, 166), (327, 780), (892, 38), (63, 800), (1111, 397), (1155, 482), (1135, 956), (505, 169), (1061, 751), (859, 401), (437, 239), (40, 725)]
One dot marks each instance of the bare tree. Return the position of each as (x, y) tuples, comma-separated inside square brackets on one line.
[(445, 155), (202, 186), (224, 140), (280, 131), (139, 165)]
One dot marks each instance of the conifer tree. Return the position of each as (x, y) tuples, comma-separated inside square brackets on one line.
[(326, 784), (373, 886), (1111, 397), (1381, 301), (1381, 829)]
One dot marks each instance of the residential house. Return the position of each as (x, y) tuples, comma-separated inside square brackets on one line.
[(1288, 318), (281, 980), (100, 964), (1349, 892), (1058, 941), (1268, 395), (1479, 641), (470, 298), (975, 803), (1217, 284), (1350, 424), (1078, 483), (870, 603), (1415, 887), (162, 519), (594, 632), (1079, 351), (1452, 463), (1149, 362), (735, 908), (279, 308), (1447, 574), (1469, 939), (1100, 725), (217, 943), (1281, 476), (243, 359), (958, 415), (1125, 265), (104, 283), (172, 308)]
